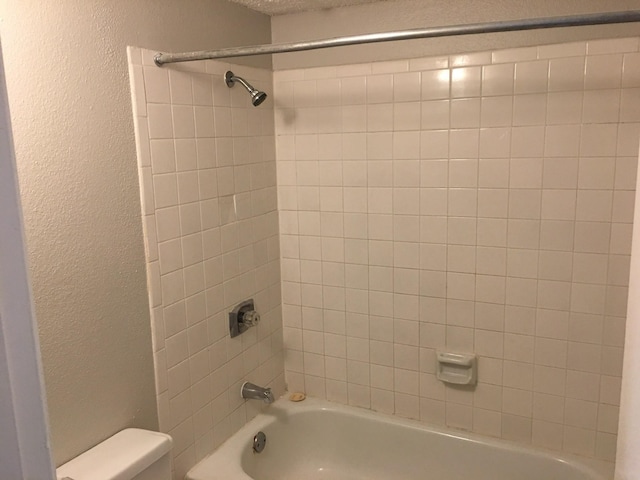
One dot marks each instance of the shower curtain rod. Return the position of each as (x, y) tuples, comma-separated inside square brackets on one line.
[(429, 32)]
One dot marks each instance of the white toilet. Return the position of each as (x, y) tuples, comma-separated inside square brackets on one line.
[(131, 454)]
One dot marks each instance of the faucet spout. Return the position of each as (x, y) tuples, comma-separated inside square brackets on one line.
[(254, 392)]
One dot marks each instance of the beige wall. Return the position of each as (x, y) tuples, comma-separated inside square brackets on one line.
[(209, 210), (473, 203), (69, 96), (628, 454), (405, 14)]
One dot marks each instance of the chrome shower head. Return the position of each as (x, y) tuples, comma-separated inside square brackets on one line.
[(257, 97)]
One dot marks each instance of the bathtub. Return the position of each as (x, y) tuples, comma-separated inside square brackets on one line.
[(318, 440)]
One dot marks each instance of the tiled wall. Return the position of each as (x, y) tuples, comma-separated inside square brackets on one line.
[(208, 180), (478, 203)]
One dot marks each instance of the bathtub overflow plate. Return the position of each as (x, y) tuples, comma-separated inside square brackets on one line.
[(259, 442)]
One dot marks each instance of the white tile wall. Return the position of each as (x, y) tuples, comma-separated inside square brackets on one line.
[(208, 184), (479, 202)]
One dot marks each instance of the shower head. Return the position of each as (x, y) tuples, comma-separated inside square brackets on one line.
[(257, 97)]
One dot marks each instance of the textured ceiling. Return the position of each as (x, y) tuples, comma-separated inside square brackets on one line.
[(281, 7)]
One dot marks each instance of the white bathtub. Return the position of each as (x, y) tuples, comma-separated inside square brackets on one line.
[(318, 440)]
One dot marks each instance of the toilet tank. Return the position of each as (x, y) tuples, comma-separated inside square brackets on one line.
[(131, 454)]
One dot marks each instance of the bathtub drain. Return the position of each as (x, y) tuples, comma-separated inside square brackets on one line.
[(259, 442)]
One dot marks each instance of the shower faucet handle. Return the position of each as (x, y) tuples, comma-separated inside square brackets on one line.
[(251, 318), (243, 317)]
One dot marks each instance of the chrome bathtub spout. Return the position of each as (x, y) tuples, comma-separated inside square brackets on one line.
[(254, 392)]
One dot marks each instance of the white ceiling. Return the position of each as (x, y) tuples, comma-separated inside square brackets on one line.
[(281, 7)]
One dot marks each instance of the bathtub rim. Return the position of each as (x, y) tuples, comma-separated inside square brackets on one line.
[(601, 468)]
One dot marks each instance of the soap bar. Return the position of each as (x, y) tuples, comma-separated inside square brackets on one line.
[(297, 397)]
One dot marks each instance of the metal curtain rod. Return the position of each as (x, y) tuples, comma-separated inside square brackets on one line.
[(429, 32)]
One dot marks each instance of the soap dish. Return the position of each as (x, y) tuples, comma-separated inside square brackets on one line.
[(457, 368)]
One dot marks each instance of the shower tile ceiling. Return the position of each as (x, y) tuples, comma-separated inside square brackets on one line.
[(281, 7)]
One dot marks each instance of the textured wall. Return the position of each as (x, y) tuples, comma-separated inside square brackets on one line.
[(70, 101), (478, 203), (208, 182), (405, 14)]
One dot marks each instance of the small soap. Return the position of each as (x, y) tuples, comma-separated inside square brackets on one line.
[(297, 397)]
